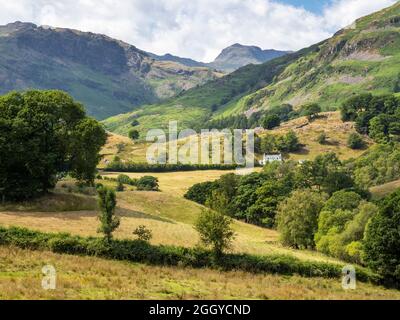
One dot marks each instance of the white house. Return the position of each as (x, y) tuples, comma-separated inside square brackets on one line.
[(268, 158)]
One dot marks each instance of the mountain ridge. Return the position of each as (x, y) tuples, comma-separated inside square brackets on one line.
[(109, 76), (230, 59), (238, 55)]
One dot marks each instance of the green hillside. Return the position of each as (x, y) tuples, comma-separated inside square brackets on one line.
[(364, 57), (108, 76), (197, 105), (361, 58)]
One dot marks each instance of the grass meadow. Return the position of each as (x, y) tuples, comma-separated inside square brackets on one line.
[(94, 278)]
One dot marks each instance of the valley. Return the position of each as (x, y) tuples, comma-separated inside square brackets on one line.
[(363, 58), (77, 192)]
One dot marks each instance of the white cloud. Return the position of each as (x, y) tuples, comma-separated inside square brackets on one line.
[(197, 28)]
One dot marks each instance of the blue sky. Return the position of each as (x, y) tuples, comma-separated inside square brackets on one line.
[(197, 29), (315, 6)]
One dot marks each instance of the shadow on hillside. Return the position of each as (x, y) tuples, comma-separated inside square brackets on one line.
[(78, 215), (128, 213), (303, 151), (332, 143)]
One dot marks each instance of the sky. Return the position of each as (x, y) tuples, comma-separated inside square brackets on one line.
[(197, 29)]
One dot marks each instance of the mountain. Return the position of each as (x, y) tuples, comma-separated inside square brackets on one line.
[(365, 57), (237, 56), (230, 59), (109, 76), (185, 61)]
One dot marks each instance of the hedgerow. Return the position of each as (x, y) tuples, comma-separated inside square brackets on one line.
[(118, 166), (143, 252)]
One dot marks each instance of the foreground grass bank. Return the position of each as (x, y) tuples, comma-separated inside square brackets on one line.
[(95, 278), (138, 251)]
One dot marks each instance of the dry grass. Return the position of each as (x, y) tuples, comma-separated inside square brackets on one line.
[(381, 191), (132, 150), (177, 183), (171, 219), (329, 122), (60, 202), (308, 132), (94, 278)]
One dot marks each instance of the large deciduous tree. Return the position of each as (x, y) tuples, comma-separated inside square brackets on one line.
[(297, 218), (43, 135)]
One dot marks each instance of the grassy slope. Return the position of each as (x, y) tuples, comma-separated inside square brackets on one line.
[(167, 213), (336, 130), (364, 58), (196, 105), (330, 123), (381, 191), (93, 278), (171, 219)]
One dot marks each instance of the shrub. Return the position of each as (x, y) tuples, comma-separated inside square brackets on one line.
[(120, 187), (124, 179), (120, 147), (311, 111), (288, 143), (139, 251), (135, 123), (143, 233), (322, 138), (133, 134), (355, 141), (148, 183)]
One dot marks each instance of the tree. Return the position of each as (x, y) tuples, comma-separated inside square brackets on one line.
[(311, 111), (135, 123), (43, 136), (215, 231), (268, 144), (133, 134), (271, 121), (108, 221), (382, 240), (297, 218), (200, 192), (147, 183), (219, 202), (355, 141), (353, 106), (143, 233), (326, 172), (269, 195), (87, 140), (379, 128), (288, 143)]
